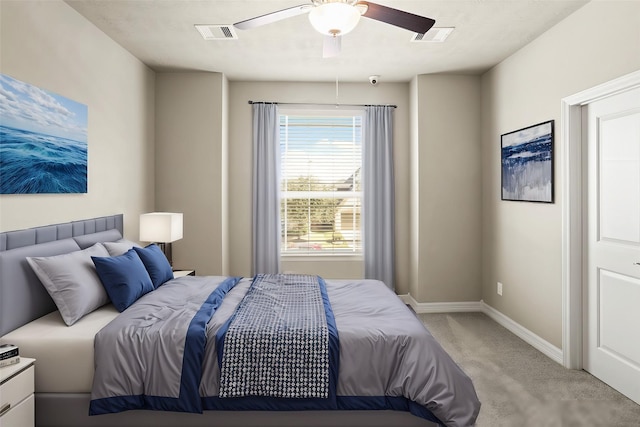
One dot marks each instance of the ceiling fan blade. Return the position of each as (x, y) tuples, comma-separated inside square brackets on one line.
[(273, 17), (331, 46), (409, 21)]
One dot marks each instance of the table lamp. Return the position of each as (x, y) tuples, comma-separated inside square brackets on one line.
[(161, 228)]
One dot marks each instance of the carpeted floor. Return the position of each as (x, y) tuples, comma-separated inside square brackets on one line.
[(519, 386)]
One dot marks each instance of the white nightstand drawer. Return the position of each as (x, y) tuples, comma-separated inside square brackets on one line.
[(16, 389), (21, 415)]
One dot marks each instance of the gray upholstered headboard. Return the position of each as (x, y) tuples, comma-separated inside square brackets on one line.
[(22, 296)]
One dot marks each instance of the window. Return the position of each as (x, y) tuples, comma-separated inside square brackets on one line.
[(321, 188)]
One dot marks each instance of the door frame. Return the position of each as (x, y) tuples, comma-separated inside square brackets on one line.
[(574, 213)]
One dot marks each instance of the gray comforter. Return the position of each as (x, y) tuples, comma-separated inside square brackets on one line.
[(388, 360)]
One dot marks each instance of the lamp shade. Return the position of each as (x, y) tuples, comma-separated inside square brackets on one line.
[(334, 19), (162, 227)]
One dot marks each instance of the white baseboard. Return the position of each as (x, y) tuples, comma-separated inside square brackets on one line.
[(441, 307), (540, 344)]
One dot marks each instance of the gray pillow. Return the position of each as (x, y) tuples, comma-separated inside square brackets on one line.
[(119, 247), (72, 281), (88, 240)]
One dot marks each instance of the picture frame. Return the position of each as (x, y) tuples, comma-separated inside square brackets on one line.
[(527, 164), (43, 140)]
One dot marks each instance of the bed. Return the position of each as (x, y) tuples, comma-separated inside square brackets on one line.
[(67, 366)]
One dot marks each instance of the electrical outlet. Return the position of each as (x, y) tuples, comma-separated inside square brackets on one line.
[(499, 288)]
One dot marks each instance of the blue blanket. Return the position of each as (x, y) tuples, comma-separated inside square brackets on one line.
[(277, 343)]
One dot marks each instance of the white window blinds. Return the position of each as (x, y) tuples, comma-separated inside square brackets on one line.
[(321, 189)]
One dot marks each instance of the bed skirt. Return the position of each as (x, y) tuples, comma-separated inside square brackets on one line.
[(71, 410)]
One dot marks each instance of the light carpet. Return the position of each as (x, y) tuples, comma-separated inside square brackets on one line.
[(519, 386)]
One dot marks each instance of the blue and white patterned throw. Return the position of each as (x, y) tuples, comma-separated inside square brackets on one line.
[(277, 343)]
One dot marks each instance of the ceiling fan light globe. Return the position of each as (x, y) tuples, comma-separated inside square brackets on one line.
[(334, 18)]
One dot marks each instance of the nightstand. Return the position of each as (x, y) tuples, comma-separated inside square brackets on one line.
[(182, 273), (17, 405)]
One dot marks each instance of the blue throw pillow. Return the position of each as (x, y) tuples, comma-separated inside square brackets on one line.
[(124, 277), (156, 264)]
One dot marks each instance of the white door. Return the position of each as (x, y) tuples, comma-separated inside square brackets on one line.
[(612, 336)]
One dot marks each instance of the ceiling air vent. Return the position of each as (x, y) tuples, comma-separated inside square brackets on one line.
[(434, 35), (217, 32)]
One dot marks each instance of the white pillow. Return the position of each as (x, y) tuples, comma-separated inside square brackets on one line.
[(119, 247), (72, 281)]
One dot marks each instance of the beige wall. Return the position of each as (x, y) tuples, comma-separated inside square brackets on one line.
[(240, 159), (202, 120), (190, 128), (224, 170), (414, 188), (446, 188), (49, 45), (191, 165), (522, 242)]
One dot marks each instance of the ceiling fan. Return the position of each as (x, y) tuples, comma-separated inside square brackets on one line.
[(334, 18)]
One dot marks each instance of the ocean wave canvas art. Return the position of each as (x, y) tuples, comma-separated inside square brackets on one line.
[(527, 164), (43, 140)]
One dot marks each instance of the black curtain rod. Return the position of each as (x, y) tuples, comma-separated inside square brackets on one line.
[(314, 103)]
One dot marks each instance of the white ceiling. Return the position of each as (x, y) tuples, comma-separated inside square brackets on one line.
[(161, 33)]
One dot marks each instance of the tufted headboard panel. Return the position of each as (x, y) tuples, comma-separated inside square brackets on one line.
[(22, 296)]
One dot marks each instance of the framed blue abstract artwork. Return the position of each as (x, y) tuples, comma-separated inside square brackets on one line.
[(527, 164), (43, 140)]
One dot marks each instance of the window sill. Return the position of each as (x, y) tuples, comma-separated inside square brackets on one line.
[(321, 257)]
